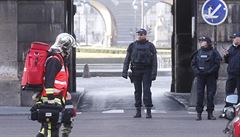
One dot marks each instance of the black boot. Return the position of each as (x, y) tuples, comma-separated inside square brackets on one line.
[(149, 114), (210, 116), (138, 113), (64, 135), (199, 116), (40, 135)]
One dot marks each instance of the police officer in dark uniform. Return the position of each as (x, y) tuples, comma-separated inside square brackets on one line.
[(141, 54), (205, 65), (232, 58)]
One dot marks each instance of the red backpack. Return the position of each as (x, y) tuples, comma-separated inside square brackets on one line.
[(33, 72)]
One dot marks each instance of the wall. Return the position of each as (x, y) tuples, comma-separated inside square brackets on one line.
[(9, 83), (24, 21)]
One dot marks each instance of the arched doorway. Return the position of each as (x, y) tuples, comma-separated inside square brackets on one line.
[(159, 23), (93, 24)]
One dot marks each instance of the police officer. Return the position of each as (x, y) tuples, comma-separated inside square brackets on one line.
[(141, 55), (56, 83), (232, 58), (205, 64)]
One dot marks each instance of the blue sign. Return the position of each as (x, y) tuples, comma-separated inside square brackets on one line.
[(214, 12)]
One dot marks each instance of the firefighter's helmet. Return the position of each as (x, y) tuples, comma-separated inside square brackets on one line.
[(64, 42)]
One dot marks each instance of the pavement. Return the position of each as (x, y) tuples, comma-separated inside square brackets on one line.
[(84, 85), (183, 99)]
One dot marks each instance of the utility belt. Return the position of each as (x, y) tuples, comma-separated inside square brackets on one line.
[(52, 113), (140, 67)]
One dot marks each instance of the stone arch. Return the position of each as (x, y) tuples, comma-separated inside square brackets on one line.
[(108, 19), (163, 21)]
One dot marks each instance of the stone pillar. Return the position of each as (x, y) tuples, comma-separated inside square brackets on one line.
[(9, 83), (183, 46), (38, 20)]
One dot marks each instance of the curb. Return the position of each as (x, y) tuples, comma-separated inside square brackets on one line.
[(25, 111), (183, 102)]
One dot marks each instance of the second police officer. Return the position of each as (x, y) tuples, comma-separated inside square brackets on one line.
[(141, 55), (232, 58), (205, 65)]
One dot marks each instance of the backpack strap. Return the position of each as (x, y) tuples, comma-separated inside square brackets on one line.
[(59, 57), (56, 56)]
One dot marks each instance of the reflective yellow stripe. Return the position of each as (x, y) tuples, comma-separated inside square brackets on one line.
[(57, 100), (63, 100), (49, 130), (44, 99), (39, 102), (49, 90), (42, 131)]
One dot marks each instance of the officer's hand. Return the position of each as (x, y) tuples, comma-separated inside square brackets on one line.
[(153, 78), (124, 75), (225, 53)]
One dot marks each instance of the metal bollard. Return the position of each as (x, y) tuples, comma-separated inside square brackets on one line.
[(86, 72)]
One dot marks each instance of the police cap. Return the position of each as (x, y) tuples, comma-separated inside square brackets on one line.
[(205, 38), (234, 35), (142, 31)]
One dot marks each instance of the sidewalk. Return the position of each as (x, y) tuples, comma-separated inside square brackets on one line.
[(11, 110), (160, 86), (183, 99)]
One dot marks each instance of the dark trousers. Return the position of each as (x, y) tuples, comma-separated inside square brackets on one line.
[(210, 82), (142, 84), (232, 83)]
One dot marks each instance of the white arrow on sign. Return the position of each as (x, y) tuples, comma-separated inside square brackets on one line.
[(211, 14)]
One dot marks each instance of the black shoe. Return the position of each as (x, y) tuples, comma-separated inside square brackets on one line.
[(138, 113), (148, 114), (199, 117), (210, 116)]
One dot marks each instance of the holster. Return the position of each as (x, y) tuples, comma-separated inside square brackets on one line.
[(131, 77), (67, 115)]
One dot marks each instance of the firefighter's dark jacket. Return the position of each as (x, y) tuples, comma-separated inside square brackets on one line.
[(127, 61), (233, 60), (53, 66), (206, 61)]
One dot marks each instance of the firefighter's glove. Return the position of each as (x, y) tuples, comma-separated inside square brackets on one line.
[(56, 101), (124, 75), (35, 107)]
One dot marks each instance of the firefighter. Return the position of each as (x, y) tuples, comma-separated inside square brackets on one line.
[(142, 57), (205, 65), (54, 93)]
